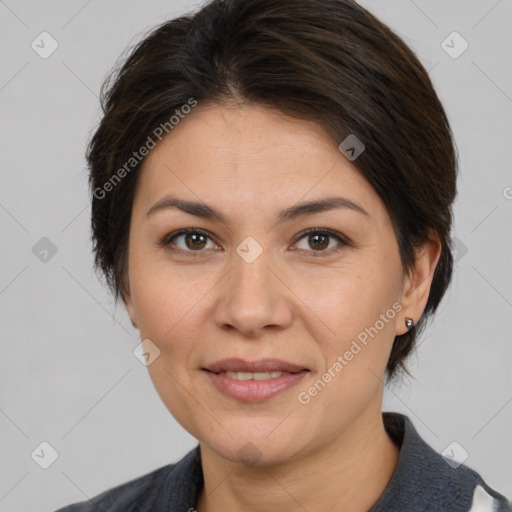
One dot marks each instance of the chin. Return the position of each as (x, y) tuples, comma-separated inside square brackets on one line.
[(256, 453), (253, 443)]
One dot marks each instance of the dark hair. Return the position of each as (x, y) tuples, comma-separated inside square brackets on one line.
[(330, 61)]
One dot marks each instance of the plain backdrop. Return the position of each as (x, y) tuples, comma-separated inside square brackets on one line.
[(68, 376)]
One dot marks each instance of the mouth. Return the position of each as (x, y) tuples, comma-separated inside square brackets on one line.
[(262, 366), (253, 381), (253, 375)]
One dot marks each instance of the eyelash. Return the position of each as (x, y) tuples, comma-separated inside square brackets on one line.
[(166, 242)]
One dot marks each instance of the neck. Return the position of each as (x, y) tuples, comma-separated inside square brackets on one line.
[(352, 473)]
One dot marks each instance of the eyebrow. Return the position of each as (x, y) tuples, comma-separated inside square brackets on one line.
[(206, 212)]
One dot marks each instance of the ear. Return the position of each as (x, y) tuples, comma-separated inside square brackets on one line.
[(416, 287)]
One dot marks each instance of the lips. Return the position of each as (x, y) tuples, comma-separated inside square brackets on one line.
[(261, 366), (254, 381)]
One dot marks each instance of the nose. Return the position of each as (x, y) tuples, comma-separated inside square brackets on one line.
[(254, 298)]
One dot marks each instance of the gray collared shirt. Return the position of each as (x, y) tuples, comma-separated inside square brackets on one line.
[(423, 481)]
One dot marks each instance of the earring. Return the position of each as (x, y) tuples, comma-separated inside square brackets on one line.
[(409, 322)]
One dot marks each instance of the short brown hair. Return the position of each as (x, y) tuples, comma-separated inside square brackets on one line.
[(326, 60)]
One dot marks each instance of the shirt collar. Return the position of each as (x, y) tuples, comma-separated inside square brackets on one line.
[(421, 476)]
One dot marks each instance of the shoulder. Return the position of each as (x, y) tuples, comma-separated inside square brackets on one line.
[(429, 481), (485, 499), (465, 481), (171, 487), (129, 496)]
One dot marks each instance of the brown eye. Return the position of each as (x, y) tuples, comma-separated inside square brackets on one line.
[(317, 241), (320, 241), (195, 241), (188, 241)]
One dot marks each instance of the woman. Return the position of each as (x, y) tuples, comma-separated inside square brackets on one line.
[(272, 187)]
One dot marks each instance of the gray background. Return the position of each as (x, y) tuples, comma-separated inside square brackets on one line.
[(68, 375)]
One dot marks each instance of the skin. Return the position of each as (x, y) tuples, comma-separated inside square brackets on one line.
[(299, 301)]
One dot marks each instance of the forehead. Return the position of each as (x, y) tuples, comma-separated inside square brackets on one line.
[(250, 156)]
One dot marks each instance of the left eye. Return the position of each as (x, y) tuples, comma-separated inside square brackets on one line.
[(320, 240)]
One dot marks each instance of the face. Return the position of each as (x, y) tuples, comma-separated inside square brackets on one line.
[(250, 282)]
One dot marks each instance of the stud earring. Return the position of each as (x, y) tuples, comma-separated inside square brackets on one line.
[(409, 322)]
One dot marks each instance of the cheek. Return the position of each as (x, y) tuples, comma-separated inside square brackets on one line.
[(355, 349), (167, 299), (169, 310), (342, 303), (354, 320)]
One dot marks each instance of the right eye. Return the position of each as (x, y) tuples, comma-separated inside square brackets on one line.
[(187, 241)]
